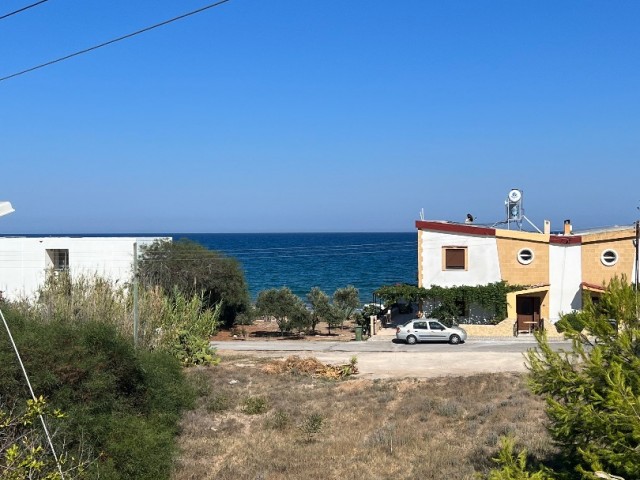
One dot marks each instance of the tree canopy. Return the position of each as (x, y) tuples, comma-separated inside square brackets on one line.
[(592, 391), (191, 269), (285, 306)]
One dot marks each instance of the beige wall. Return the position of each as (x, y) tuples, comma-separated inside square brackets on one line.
[(513, 272), (543, 294), (593, 270)]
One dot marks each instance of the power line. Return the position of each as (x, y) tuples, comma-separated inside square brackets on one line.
[(124, 37), (22, 9)]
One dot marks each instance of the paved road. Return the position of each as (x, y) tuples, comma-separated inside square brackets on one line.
[(386, 359)]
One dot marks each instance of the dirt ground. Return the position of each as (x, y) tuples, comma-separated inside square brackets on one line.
[(265, 330), (379, 365)]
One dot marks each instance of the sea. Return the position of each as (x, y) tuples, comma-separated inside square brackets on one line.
[(302, 261), (329, 261)]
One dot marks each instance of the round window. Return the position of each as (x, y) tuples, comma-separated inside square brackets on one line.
[(525, 256), (609, 258)]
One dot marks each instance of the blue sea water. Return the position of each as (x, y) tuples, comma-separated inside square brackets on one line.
[(302, 261)]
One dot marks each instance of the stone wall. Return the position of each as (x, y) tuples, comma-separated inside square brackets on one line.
[(503, 329)]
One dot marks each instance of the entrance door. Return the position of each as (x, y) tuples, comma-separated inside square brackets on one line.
[(528, 311)]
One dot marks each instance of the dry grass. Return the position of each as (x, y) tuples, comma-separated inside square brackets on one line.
[(312, 428)]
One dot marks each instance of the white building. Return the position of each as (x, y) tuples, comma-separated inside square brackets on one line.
[(24, 261)]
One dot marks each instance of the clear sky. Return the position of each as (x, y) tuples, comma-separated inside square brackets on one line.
[(325, 115)]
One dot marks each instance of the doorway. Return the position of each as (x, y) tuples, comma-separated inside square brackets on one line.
[(528, 313)]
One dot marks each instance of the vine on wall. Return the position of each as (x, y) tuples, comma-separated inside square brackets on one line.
[(491, 297)]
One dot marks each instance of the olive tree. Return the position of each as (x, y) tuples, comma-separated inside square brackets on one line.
[(285, 306), (345, 301), (320, 304), (191, 269)]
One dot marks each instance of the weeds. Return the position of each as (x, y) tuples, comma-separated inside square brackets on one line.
[(311, 426), (255, 405), (279, 421), (218, 403)]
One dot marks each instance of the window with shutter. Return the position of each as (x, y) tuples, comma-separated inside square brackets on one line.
[(455, 258)]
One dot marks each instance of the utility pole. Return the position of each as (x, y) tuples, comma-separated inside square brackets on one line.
[(135, 294), (637, 242)]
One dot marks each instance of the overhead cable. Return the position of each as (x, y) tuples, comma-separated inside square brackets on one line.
[(124, 37), (22, 9)]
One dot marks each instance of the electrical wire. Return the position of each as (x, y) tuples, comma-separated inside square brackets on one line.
[(20, 10), (124, 37)]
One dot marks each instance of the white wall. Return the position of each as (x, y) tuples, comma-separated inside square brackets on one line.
[(483, 266), (24, 261), (565, 276)]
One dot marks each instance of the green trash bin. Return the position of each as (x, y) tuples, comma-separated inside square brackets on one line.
[(358, 333)]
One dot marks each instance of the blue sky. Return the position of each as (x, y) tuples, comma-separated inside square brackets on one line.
[(301, 115)]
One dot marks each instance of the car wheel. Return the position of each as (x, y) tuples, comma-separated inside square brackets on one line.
[(411, 340), (454, 339)]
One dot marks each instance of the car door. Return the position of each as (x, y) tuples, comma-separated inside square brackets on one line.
[(438, 331), (421, 330)]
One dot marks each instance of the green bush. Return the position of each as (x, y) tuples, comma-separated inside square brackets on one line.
[(192, 269), (255, 405), (122, 404), (312, 425), (175, 323), (279, 421)]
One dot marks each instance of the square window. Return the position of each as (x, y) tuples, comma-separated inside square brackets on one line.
[(455, 258), (58, 259)]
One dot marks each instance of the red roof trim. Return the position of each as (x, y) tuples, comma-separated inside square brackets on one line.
[(565, 239), (592, 286), (455, 228)]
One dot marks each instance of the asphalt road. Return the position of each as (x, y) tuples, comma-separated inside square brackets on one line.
[(389, 359)]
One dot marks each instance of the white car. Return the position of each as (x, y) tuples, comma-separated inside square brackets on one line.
[(429, 330)]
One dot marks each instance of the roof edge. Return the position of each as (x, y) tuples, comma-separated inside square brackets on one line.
[(448, 227)]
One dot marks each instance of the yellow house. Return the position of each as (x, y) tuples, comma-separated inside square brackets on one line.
[(554, 269)]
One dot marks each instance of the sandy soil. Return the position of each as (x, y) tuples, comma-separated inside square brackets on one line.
[(413, 364)]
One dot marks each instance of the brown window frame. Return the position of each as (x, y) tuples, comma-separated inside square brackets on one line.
[(447, 265)]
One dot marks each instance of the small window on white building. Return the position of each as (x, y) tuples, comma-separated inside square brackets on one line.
[(58, 259), (454, 258), (609, 257), (525, 256)]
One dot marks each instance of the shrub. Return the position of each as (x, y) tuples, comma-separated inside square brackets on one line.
[(24, 450), (514, 466), (192, 269), (179, 324), (218, 403), (124, 405), (279, 421), (312, 425), (255, 405)]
